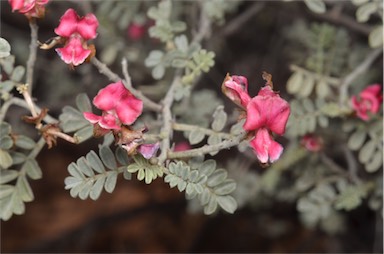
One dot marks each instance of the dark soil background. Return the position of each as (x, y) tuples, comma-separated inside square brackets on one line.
[(140, 218)]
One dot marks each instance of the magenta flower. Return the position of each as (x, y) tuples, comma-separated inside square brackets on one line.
[(74, 52), (136, 31), (265, 147), (119, 106), (76, 31), (268, 110), (236, 89), (71, 23), (369, 101), (31, 8), (312, 143), (148, 150)]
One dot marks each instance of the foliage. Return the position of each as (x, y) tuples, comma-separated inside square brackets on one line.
[(144, 169), (72, 120), (329, 64), (91, 173), (16, 168), (204, 182)]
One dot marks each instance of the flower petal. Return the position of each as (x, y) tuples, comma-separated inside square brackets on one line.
[(265, 147), (148, 150), (91, 117), (256, 115), (107, 97), (73, 52), (68, 23), (129, 109), (87, 26), (236, 89)]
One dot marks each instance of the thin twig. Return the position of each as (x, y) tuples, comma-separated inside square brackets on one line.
[(204, 28), (32, 54), (352, 164), (360, 69), (166, 131), (22, 103), (344, 20), (241, 19), (138, 94), (207, 148), (188, 127), (103, 69)]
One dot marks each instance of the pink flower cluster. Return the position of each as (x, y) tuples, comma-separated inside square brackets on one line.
[(266, 113), (76, 32), (30, 8), (120, 108), (368, 102)]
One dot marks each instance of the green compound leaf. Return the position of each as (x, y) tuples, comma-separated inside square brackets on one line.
[(12, 197), (350, 197), (6, 159), (207, 184), (144, 169), (201, 61), (88, 176), (317, 204)]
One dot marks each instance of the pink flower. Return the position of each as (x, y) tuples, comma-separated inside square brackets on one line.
[(236, 89), (136, 31), (108, 121), (369, 101), (265, 147), (312, 143), (31, 8), (182, 146), (76, 31), (268, 110), (119, 106), (148, 150), (265, 113), (74, 52), (71, 23)]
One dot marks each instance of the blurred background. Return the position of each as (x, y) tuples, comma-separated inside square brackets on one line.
[(254, 37)]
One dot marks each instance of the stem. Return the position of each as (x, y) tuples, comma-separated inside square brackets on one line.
[(32, 54), (36, 150), (207, 148), (22, 103), (360, 69), (64, 136), (138, 94), (188, 127), (103, 69), (23, 89), (166, 131)]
